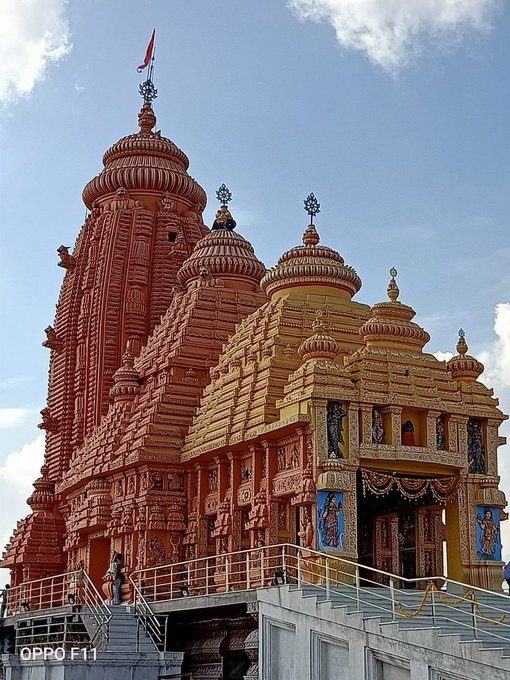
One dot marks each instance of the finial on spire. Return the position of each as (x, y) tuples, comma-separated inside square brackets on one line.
[(224, 195), (312, 206), (223, 218), (462, 347), (393, 290), (147, 89)]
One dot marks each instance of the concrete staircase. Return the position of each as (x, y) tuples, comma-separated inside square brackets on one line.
[(127, 635), (448, 615)]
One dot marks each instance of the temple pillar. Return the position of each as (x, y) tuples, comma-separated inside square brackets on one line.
[(396, 424), (366, 424)]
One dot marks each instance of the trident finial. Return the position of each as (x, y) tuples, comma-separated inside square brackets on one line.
[(312, 206)]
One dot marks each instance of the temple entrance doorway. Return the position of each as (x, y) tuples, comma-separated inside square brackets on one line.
[(99, 560), (399, 535), (288, 522)]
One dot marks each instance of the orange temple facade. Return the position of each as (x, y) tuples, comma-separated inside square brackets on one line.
[(200, 404)]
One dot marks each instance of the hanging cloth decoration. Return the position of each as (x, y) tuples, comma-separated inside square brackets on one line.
[(381, 483)]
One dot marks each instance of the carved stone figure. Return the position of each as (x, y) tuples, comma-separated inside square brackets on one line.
[(439, 433), (476, 448), (377, 427), (67, 261), (156, 481), (156, 555), (335, 415)]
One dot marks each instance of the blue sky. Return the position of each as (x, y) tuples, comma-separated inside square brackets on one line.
[(394, 114)]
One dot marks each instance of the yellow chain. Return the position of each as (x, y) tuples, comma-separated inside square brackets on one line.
[(469, 595), (409, 615), (491, 621)]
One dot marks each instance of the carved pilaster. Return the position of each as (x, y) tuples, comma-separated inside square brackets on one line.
[(321, 430), (462, 422), (492, 443), (432, 417), (366, 424), (353, 430), (396, 424)]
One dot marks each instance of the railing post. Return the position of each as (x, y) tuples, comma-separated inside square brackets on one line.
[(392, 595), (433, 605), (328, 580), (284, 564), (207, 577), (262, 568), (227, 579), (154, 587), (473, 614), (189, 575), (171, 582), (299, 569), (357, 589), (166, 629), (248, 584)]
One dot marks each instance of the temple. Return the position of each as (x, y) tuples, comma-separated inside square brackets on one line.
[(201, 405)]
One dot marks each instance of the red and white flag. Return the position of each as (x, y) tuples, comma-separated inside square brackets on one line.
[(148, 54)]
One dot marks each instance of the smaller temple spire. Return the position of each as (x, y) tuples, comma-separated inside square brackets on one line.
[(393, 290), (462, 347), (223, 218), (464, 367)]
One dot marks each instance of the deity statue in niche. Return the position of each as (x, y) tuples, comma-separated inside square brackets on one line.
[(439, 433), (408, 433), (335, 416), (280, 459), (377, 427), (293, 461), (476, 448), (157, 481), (306, 533), (330, 520), (488, 533)]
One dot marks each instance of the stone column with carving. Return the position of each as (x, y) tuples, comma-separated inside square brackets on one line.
[(366, 424), (432, 417), (396, 424), (353, 430), (320, 423)]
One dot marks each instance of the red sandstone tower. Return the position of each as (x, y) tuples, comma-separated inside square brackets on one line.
[(145, 219)]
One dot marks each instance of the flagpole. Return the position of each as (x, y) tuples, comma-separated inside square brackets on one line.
[(147, 89)]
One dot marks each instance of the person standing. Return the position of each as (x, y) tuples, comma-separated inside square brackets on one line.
[(506, 575), (4, 599), (117, 577)]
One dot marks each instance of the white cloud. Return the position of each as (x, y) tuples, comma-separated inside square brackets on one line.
[(443, 356), (392, 32), (22, 467), (497, 359), (17, 475), (13, 417), (32, 34)]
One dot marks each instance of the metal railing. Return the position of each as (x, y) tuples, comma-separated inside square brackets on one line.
[(73, 590), (437, 601), (149, 622)]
